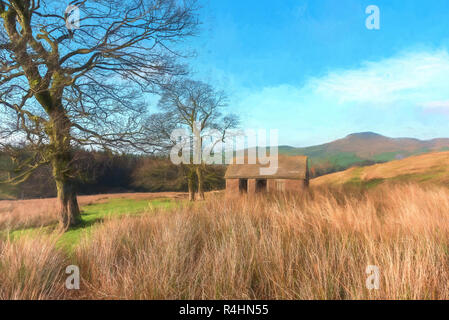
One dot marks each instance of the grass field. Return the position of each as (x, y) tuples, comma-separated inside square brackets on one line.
[(316, 246), (32, 217)]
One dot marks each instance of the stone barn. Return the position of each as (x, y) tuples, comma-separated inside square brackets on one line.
[(292, 176)]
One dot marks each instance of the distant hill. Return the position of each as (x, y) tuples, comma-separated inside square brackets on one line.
[(426, 168), (363, 149)]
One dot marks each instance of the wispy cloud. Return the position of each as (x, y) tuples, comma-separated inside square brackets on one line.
[(439, 107), (413, 77)]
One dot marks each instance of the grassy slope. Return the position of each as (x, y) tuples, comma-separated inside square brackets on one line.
[(431, 167)]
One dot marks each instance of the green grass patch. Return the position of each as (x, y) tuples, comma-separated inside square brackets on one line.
[(389, 156), (373, 183), (356, 176), (117, 207), (356, 180), (431, 176)]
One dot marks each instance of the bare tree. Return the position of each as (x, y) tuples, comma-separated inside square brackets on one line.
[(63, 87), (198, 107)]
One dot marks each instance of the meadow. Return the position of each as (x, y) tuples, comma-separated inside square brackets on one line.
[(314, 246)]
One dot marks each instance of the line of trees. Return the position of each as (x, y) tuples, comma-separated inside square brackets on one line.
[(103, 172)]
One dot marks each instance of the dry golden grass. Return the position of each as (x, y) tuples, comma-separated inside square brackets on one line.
[(32, 269), (27, 213), (426, 168), (430, 163), (314, 247)]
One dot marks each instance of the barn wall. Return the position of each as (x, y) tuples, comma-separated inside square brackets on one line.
[(232, 187), (251, 186), (285, 185), (271, 185), (295, 186)]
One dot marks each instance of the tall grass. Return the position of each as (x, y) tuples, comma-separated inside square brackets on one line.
[(281, 247), (315, 247), (32, 269)]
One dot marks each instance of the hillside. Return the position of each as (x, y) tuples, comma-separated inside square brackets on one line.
[(363, 149), (426, 168)]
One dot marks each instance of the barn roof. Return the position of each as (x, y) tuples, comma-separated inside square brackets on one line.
[(289, 167)]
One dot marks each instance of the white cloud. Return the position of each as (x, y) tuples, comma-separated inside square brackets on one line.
[(441, 107), (416, 76)]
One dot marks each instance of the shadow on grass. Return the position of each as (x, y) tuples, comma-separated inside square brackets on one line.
[(83, 224)]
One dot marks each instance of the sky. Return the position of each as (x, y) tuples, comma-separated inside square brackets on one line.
[(313, 70)]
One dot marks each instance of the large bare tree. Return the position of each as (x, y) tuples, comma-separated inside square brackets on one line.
[(63, 87), (200, 108)]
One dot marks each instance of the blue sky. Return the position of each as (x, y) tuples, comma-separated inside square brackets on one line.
[(312, 70)]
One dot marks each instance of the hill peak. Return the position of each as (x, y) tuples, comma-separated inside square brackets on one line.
[(365, 135)]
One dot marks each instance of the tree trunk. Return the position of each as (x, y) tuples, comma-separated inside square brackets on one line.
[(61, 155), (199, 174), (68, 208), (190, 184)]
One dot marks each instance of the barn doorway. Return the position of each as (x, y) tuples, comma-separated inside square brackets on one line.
[(261, 185), (243, 185)]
